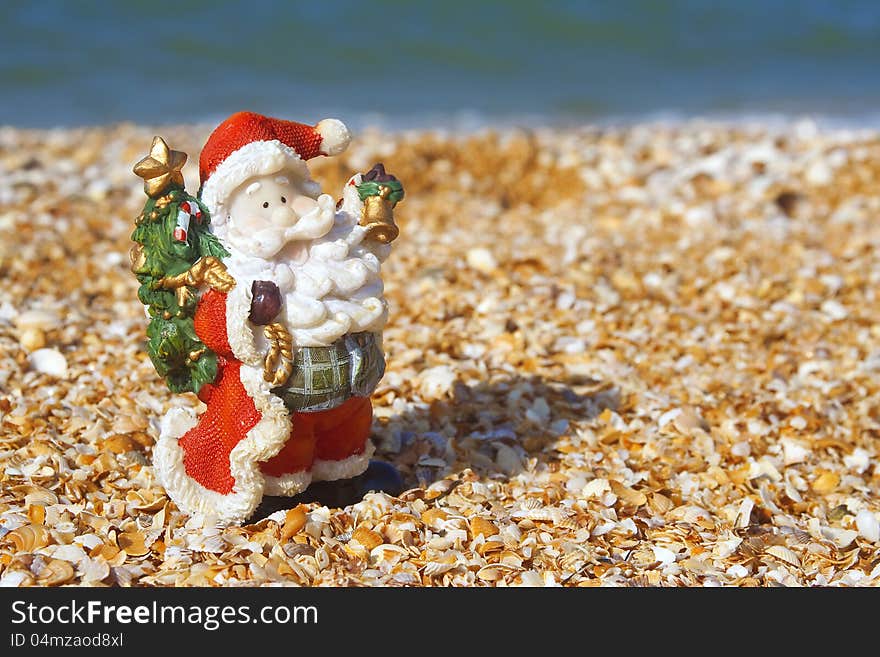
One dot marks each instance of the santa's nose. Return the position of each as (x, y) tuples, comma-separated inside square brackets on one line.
[(284, 216)]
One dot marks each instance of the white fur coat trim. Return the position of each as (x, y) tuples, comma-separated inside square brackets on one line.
[(239, 330), (345, 468), (288, 485)]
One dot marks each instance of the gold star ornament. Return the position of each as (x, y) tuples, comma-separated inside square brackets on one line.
[(161, 168)]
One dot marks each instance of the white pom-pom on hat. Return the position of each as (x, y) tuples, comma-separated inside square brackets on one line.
[(335, 136)]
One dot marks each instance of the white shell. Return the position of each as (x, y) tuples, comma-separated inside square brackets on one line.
[(437, 568), (868, 526), (48, 361), (784, 554)]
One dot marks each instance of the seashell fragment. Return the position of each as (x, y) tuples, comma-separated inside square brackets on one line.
[(130, 423), (661, 504), (133, 544), (48, 361), (481, 259), (784, 554), (490, 546), (433, 568), (37, 514), (489, 573), (322, 558), (367, 537), (32, 493), (441, 488), (664, 555), (11, 578), (32, 339), (146, 503), (55, 572), (826, 482), (841, 537), (118, 443), (94, 570), (688, 421), (482, 526), (799, 536), (627, 495), (40, 319), (868, 526), (433, 515), (40, 496), (294, 521), (29, 538), (380, 552), (595, 488)]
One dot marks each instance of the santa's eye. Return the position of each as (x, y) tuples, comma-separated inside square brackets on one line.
[(266, 204), (283, 200)]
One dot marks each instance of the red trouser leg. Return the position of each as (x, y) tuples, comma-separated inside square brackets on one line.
[(299, 450), (332, 435), (343, 431)]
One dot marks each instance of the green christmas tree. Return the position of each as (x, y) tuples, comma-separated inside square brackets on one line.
[(174, 254)]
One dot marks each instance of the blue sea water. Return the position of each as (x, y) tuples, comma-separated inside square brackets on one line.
[(413, 64)]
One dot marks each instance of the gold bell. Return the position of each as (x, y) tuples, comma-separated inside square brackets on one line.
[(378, 217)]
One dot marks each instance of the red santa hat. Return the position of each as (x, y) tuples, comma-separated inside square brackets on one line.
[(248, 144)]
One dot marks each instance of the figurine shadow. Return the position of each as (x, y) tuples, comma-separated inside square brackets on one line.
[(496, 430)]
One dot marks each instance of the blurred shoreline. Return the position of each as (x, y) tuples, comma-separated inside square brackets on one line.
[(401, 67), (466, 123)]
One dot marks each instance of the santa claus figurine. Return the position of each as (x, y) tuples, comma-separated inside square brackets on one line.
[(295, 322)]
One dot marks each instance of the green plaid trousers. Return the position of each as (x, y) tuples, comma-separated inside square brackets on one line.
[(325, 377)]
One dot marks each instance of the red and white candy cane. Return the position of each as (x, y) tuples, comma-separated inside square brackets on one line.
[(187, 210)]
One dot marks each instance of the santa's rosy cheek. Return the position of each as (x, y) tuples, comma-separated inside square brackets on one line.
[(252, 224)]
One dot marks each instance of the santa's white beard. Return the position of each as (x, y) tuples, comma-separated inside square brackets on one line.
[(330, 285)]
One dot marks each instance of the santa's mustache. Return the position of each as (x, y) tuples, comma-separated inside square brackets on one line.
[(317, 222)]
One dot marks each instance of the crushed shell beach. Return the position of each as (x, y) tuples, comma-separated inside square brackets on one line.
[(645, 355)]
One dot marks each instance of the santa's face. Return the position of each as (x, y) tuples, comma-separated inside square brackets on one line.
[(269, 212)]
